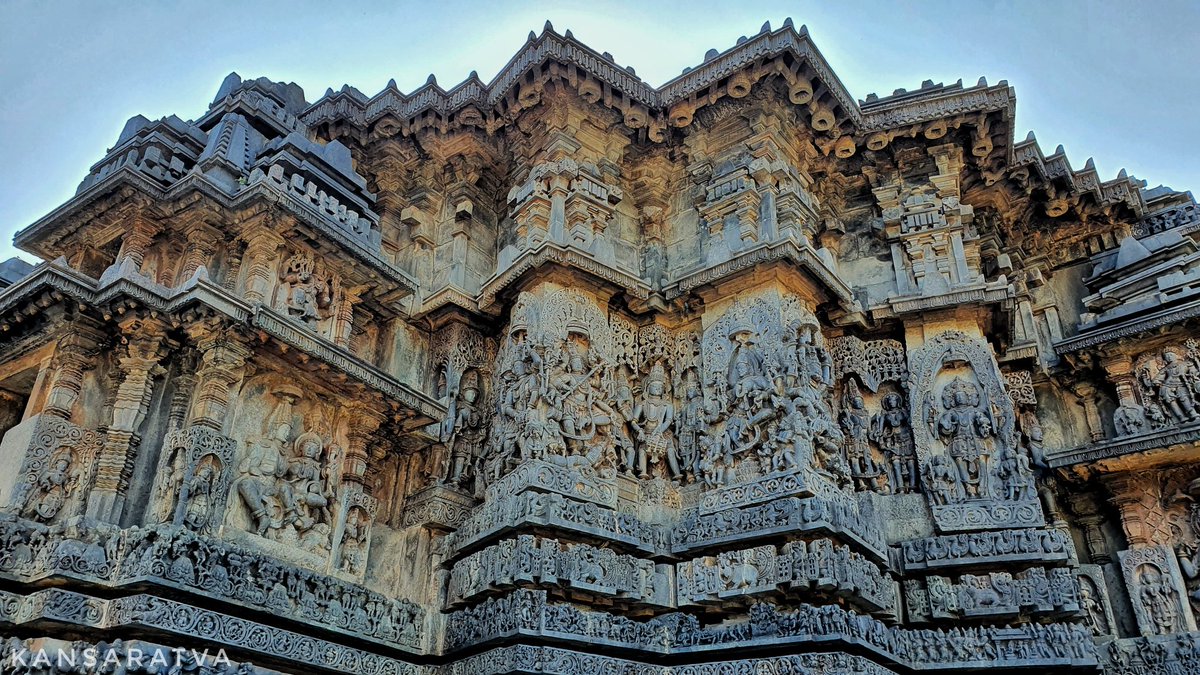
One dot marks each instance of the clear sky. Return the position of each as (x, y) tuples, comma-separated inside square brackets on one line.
[(1117, 80)]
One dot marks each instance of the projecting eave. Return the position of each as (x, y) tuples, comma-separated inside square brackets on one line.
[(42, 237), (599, 79), (121, 287)]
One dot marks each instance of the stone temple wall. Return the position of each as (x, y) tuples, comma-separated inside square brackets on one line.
[(564, 373)]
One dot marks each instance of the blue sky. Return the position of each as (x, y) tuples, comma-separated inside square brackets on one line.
[(1115, 80)]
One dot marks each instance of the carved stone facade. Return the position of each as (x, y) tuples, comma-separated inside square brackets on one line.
[(565, 373)]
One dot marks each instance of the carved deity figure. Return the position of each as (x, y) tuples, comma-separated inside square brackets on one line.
[(286, 488), (166, 490), (353, 553), (576, 403), (689, 424), (306, 497), (1093, 611), (306, 294), (1159, 598), (259, 476), (48, 494), (855, 422), (1175, 385), (749, 387), (813, 366), (653, 419), (466, 432), (201, 492), (889, 428), (964, 426)]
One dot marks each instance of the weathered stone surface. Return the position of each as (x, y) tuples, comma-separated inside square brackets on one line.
[(566, 373)]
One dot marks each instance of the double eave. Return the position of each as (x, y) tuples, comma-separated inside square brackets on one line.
[(398, 282), (199, 292)]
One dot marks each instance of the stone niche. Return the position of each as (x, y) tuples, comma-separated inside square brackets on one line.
[(767, 377), (976, 475), (286, 494)]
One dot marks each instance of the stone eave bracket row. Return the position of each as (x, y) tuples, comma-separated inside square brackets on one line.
[(30, 238), (126, 284), (356, 108), (1128, 327), (1171, 445)]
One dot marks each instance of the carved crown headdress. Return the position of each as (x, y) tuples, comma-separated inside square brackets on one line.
[(957, 385), (657, 373)]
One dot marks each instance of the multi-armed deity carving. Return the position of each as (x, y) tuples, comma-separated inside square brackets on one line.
[(769, 375), (287, 481), (973, 467), (307, 294), (563, 393), (1164, 390)]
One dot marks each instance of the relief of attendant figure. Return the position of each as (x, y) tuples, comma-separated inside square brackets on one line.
[(653, 419), (1174, 384), (48, 495), (261, 473)]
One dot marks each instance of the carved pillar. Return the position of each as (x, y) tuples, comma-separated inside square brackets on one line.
[(344, 316), (1119, 368), (261, 260), (201, 246), (136, 243), (222, 357), (364, 422), (74, 355), (1089, 516), (1127, 492), (137, 365), (1087, 393)]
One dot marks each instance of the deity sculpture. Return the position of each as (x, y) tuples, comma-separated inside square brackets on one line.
[(1175, 386), (286, 488), (964, 426), (813, 366), (46, 497), (306, 494), (689, 424), (1159, 598), (201, 491), (855, 423), (306, 294), (749, 388), (1093, 611), (465, 424), (653, 420), (889, 429), (353, 553), (167, 488)]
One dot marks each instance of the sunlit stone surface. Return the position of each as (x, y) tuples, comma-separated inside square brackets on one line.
[(567, 374)]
